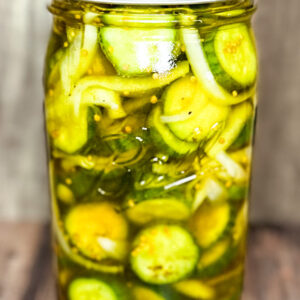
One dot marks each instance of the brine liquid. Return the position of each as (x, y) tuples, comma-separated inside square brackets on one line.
[(114, 174)]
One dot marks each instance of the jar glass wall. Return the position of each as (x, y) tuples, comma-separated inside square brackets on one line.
[(150, 114)]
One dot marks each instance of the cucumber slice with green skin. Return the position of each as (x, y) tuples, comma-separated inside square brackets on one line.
[(234, 125), (163, 254), (69, 121), (201, 68), (216, 258), (138, 86), (244, 137), (145, 206), (238, 192), (235, 50), (97, 230), (138, 51), (168, 208), (211, 222), (69, 131), (164, 139), (195, 289), (79, 182), (90, 289), (202, 118)]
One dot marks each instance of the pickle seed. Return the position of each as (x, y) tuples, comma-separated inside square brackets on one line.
[(66, 44), (228, 184), (55, 134), (235, 93), (84, 52), (197, 186), (193, 79), (97, 118), (128, 129), (111, 49), (153, 99), (221, 140), (68, 181), (155, 76), (131, 203)]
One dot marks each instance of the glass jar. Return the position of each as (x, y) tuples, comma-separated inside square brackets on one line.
[(149, 115)]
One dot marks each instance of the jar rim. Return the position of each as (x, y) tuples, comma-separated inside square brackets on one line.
[(157, 2)]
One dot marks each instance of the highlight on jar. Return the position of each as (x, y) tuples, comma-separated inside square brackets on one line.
[(150, 114)]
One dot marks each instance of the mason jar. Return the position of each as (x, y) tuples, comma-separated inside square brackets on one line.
[(149, 111)]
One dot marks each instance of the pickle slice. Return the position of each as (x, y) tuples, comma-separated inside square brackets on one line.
[(163, 254), (211, 222), (91, 289), (97, 230)]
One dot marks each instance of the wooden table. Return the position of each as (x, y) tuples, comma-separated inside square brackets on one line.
[(273, 267)]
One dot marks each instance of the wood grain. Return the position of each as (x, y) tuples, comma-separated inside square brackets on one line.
[(23, 187), (273, 264), (19, 245)]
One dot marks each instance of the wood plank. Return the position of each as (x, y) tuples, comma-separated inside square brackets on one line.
[(273, 265), (19, 244)]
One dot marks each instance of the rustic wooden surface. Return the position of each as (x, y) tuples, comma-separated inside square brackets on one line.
[(24, 27), (273, 267)]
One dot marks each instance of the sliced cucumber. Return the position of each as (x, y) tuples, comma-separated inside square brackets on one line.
[(195, 289), (202, 119), (244, 137), (236, 54), (90, 289), (165, 139), (234, 125), (138, 51), (214, 259), (139, 86), (238, 192), (79, 182), (97, 230), (201, 64), (163, 254), (211, 222), (69, 130), (70, 119), (168, 208)]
